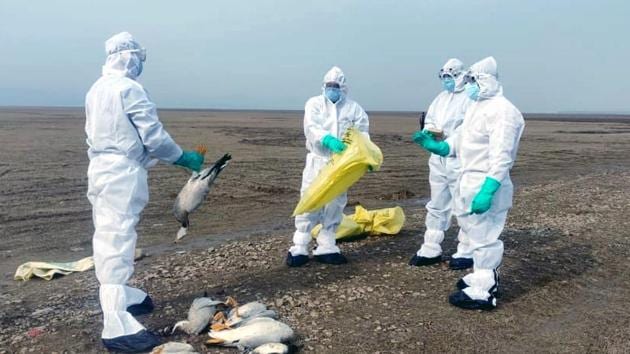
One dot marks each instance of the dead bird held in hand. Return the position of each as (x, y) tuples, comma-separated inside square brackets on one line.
[(195, 191)]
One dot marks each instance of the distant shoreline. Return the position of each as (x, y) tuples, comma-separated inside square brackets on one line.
[(560, 117)]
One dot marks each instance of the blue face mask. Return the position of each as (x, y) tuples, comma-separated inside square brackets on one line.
[(473, 91), (333, 94), (449, 84)]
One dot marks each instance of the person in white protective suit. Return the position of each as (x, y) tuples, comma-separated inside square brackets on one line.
[(486, 147), (326, 118), (124, 137), (446, 113)]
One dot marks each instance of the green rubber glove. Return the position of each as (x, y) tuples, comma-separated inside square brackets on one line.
[(426, 140), (483, 200), (333, 144), (190, 159)]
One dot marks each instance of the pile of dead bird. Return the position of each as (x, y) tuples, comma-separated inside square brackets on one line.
[(251, 327)]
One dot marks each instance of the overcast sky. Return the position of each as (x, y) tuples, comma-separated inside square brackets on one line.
[(553, 56)]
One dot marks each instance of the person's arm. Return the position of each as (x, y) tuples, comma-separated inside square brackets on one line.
[(361, 121), (429, 118), (143, 115), (504, 135), (313, 130), (452, 141)]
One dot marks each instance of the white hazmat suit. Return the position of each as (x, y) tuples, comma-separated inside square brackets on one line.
[(323, 117), (446, 113), (123, 135), (486, 147)]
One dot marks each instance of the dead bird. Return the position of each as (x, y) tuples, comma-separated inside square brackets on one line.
[(255, 333), (174, 348), (241, 314), (199, 315), (195, 192), (271, 348)]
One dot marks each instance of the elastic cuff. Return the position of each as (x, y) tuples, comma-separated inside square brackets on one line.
[(302, 238), (429, 250), (298, 250)]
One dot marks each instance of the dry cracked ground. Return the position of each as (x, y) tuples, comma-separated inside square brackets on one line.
[(565, 277)]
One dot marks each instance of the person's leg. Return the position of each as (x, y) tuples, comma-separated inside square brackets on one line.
[(479, 287), (304, 223), (463, 258), (118, 193), (438, 215), (332, 214), (138, 301)]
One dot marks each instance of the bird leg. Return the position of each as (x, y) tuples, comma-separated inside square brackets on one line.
[(218, 317), (215, 341), (230, 301), (219, 327), (219, 322)]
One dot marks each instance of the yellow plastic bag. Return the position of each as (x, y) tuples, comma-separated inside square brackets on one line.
[(387, 221), (342, 172)]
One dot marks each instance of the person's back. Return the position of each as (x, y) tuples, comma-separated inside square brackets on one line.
[(123, 134), (108, 128)]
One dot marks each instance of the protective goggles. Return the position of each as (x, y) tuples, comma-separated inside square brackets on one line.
[(448, 73), (470, 78), (141, 53), (332, 85)]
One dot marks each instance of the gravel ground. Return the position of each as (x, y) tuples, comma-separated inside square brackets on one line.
[(565, 277)]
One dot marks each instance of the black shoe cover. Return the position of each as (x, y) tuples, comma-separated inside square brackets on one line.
[(146, 306), (463, 301), (142, 341), (419, 261), (460, 263), (331, 258), (296, 261)]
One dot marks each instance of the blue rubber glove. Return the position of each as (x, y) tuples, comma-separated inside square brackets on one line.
[(428, 142), (190, 159), (333, 144), (483, 200)]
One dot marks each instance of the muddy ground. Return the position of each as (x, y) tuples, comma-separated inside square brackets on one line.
[(565, 275)]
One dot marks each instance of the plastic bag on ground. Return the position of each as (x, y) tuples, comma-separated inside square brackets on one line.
[(388, 221), (342, 172), (48, 270)]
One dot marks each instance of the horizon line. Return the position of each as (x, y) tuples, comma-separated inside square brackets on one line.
[(602, 113)]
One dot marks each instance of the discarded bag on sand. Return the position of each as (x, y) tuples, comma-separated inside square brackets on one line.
[(341, 172), (48, 270), (386, 221)]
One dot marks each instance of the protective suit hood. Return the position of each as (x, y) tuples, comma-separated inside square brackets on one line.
[(455, 68), (486, 74), (124, 56), (335, 74)]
